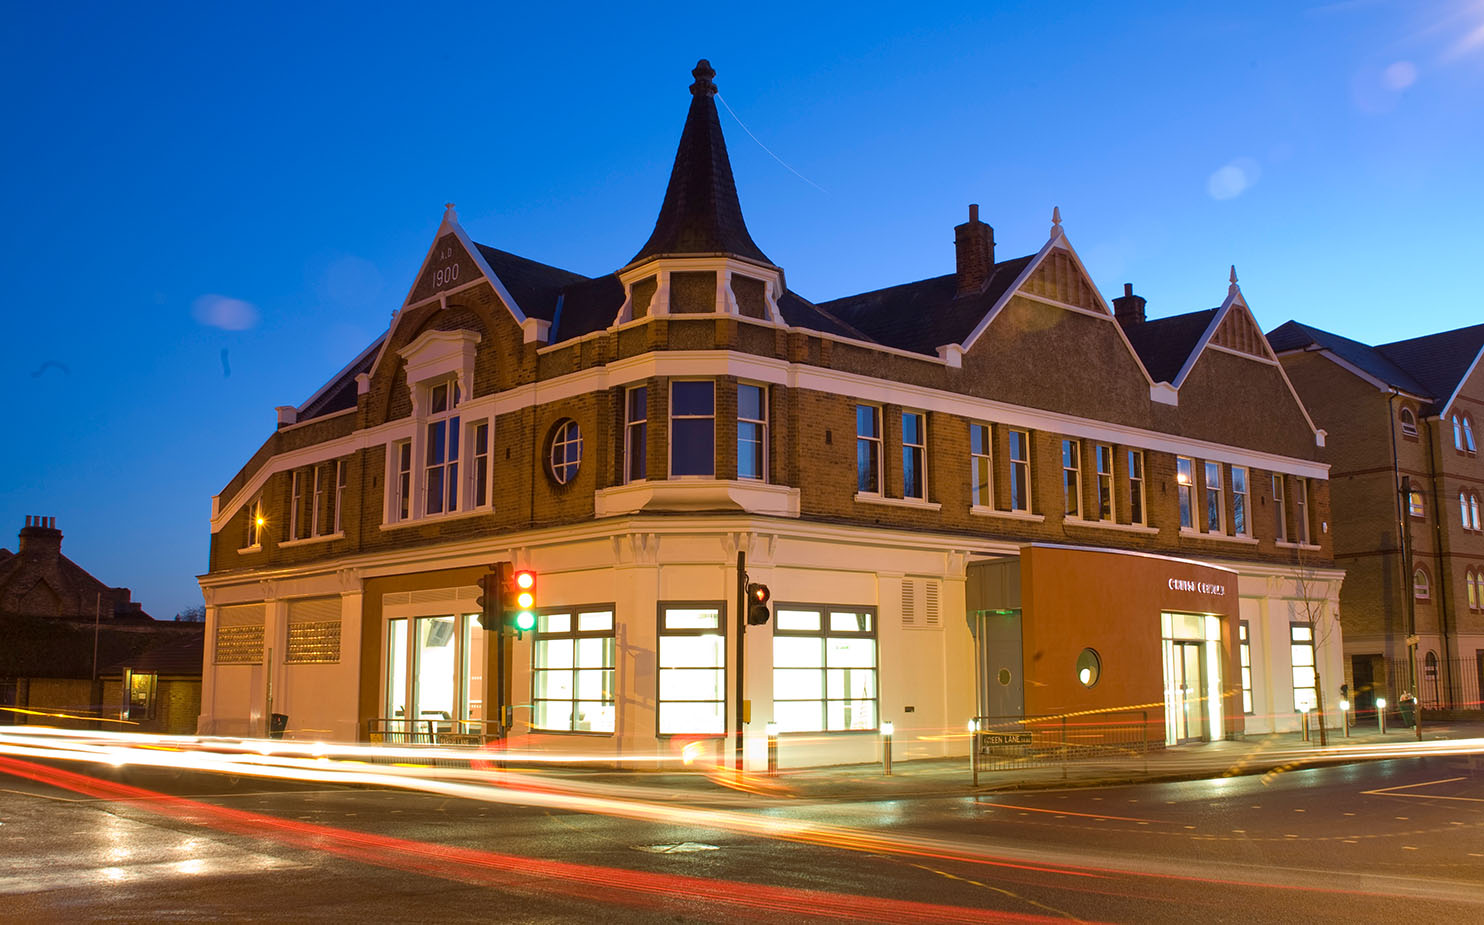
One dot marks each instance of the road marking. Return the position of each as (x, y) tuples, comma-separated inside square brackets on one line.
[(1060, 812), (1391, 792)]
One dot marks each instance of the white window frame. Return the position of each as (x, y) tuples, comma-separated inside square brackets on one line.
[(833, 679), (581, 624), (1408, 421), (1103, 462), (1301, 638), (1421, 584), (761, 426), (340, 482), (316, 518), (1071, 479), (448, 420), (1457, 434), (1280, 507), (636, 431), (693, 417), (663, 663), (981, 463), (296, 500), (1214, 495), (1138, 514), (254, 528), (1185, 490), (914, 455), (476, 497), (1301, 509), (566, 438), (1244, 658), (1468, 436), (1020, 471), (870, 444), (1241, 478)]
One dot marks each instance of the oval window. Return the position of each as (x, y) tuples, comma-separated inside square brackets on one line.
[(1089, 667), (566, 451), (1005, 677)]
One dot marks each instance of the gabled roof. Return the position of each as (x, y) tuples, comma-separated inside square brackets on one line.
[(174, 650), (927, 314), (1439, 361), (534, 286), (701, 214), (339, 394), (1165, 344), (1371, 361)]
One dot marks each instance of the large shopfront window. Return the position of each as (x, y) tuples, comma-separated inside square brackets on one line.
[(572, 671), (435, 672), (692, 670), (1301, 646), (824, 669)]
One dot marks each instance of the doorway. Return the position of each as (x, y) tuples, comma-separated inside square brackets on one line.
[(1187, 692), (1192, 675), (1363, 674)]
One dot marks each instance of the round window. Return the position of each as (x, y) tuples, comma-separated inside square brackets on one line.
[(566, 451), (1004, 677), (1089, 667)]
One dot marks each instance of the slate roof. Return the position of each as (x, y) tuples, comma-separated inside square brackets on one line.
[(1292, 335), (700, 213), (1164, 344), (534, 286), (339, 394), (173, 650), (925, 315)]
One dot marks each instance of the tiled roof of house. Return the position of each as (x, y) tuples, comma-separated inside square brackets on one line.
[(172, 650), (339, 394), (1164, 344), (534, 286), (701, 213), (927, 314)]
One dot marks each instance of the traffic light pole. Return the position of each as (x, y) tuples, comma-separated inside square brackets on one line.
[(741, 633)]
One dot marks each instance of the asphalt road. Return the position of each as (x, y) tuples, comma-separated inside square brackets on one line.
[(1388, 841)]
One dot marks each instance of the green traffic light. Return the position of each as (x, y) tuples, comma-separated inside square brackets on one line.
[(525, 620)]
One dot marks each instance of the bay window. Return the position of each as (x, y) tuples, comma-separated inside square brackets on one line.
[(752, 432), (692, 428), (636, 433)]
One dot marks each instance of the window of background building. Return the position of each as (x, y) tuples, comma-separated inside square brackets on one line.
[(752, 432), (824, 668), (1301, 645), (1185, 485), (565, 453), (980, 466), (1474, 509), (1240, 497), (1215, 510), (1071, 470), (1414, 504), (1468, 435), (1430, 696), (1136, 486), (1421, 585), (1244, 645), (1105, 482), (572, 671), (441, 472), (1280, 509), (1409, 422), (479, 441), (1479, 587), (692, 670), (868, 449), (341, 474), (1473, 592), (1301, 508), (692, 427), (914, 455), (1020, 471), (636, 427), (1457, 433), (255, 523)]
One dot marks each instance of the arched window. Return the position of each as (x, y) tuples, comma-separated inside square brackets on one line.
[(1468, 434), (1409, 422), (1479, 587), (1421, 585), (1463, 509), (1474, 509), (1430, 680), (1457, 433), (1473, 590)]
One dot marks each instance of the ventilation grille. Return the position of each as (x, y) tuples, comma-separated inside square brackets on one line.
[(921, 608), (239, 645)]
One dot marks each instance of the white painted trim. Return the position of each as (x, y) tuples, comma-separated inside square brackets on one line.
[(1218, 537), (311, 540), (324, 417), (1243, 354), (1201, 342), (749, 495), (867, 389), (1448, 406), (871, 498), (979, 510), (1067, 306), (435, 518), (1111, 525), (1306, 547), (248, 549)]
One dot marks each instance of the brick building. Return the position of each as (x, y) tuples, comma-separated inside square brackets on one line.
[(62, 631), (1414, 553), (976, 494)]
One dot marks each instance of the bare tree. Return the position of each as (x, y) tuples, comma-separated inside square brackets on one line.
[(1312, 610)]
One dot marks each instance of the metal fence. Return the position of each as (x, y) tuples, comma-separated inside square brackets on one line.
[(1004, 743), (398, 731), (1443, 684)]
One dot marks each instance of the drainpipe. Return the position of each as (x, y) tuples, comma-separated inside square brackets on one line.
[(1409, 598), (1438, 535)]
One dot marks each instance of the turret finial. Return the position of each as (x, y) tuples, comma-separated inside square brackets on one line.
[(1056, 228), (703, 74)]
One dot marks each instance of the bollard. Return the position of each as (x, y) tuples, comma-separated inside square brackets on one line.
[(974, 751), (886, 730), (772, 731), (1381, 714), (1304, 721), (1345, 716)]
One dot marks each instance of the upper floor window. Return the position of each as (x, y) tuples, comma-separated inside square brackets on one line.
[(1409, 422), (1301, 509), (752, 432), (1071, 469), (1479, 588), (1414, 504), (693, 427), (1240, 496), (868, 449), (255, 523), (1421, 585), (1185, 486), (1471, 588), (341, 475), (1136, 509), (402, 479), (565, 453), (1468, 434), (1020, 470), (1468, 509), (480, 476), (1105, 482), (1280, 509), (1215, 510), (914, 455), (635, 433), (980, 459), (441, 468), (319, 514), (296, 505)]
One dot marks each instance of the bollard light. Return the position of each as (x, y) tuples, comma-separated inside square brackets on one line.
[(1345, 715), (1304, 721), (772, 731), (1381, 714), (887, 728), (973, 726)]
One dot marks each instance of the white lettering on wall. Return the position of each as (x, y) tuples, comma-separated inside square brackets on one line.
[(1198, 587)]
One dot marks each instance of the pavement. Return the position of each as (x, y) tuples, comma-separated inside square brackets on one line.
[(1253, 754)]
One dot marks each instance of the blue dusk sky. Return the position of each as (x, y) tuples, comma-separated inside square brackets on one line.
[(211, 209)]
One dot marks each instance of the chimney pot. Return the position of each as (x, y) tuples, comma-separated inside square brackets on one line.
[(973, 211)]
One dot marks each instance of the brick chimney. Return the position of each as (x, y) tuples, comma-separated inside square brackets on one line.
[(1128, 308), (973, 244), (40, 537)]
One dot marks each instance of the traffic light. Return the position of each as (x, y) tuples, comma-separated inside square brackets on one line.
[(488, 601), (757, 604), (520, 600)]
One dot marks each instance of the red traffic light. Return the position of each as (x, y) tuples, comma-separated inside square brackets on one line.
[(757, 604)]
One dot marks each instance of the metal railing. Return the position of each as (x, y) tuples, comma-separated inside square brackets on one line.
[(428, 731), (1006, 743)]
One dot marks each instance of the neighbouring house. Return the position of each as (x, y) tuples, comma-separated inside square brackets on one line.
[(985, 494)]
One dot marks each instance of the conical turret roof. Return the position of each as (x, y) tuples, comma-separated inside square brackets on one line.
[(701, 214)]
